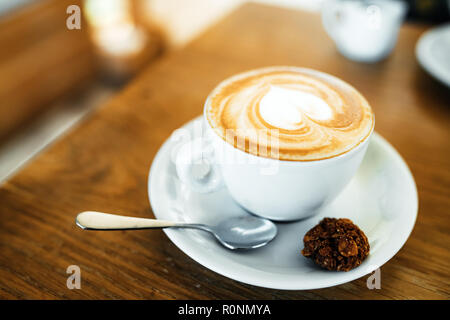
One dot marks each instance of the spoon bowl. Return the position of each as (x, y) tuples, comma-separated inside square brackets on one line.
[(247, 232)]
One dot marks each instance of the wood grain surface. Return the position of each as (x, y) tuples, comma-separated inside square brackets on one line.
[(103, 165)]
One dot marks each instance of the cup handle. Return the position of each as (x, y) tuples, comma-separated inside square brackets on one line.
[(330, 18), (197, 167)]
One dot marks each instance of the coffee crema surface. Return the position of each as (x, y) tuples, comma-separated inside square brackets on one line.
[(289, 113)]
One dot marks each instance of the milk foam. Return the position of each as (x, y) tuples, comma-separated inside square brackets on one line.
[(284, 108), (316, 115)]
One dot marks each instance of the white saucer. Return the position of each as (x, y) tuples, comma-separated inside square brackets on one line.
[(433, 53), (381, 199)]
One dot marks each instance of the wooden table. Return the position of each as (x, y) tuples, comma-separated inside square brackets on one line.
[(103, 165)]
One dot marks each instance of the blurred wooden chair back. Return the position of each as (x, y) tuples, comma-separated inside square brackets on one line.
[(40, 60)]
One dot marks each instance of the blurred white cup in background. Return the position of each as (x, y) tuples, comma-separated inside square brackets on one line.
[(364, 31)]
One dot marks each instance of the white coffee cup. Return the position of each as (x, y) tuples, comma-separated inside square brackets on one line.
[(275, 189), (364, 31)]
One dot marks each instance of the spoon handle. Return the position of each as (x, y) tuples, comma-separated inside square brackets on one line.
[(92, 220)]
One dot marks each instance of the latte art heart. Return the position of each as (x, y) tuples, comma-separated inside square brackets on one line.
[(284, 108), (310, 114)]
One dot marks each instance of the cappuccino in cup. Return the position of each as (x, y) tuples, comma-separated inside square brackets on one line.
[(316, 115), (312, 127)]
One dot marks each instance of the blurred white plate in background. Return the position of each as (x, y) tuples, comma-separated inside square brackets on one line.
[(433, 53)]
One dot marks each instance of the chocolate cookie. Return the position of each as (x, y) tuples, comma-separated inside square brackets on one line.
[(336, 244)]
